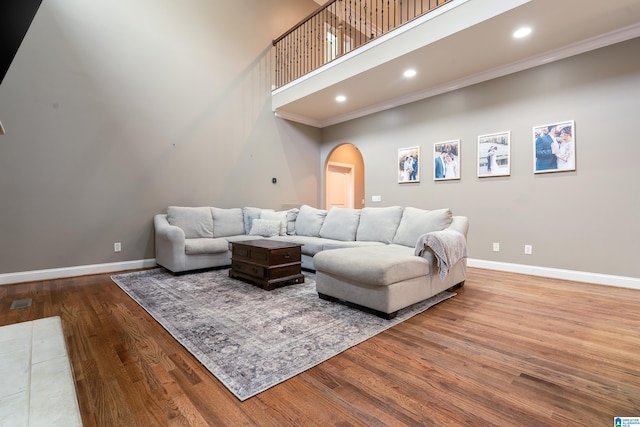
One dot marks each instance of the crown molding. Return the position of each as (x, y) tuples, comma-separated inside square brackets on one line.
[(298, 118)]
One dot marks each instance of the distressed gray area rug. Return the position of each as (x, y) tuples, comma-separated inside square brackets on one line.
[(252, 339)]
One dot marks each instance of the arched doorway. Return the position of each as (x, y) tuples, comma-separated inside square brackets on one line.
[(344, 178)]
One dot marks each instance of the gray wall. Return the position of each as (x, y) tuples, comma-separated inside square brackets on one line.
[(116, 109), (585, 220)]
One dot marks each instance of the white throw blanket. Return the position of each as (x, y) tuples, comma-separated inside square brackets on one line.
[(448, 246)]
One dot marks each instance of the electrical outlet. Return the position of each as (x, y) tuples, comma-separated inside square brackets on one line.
[(528, 249), (376, 198), (117, 247), (496, 247)]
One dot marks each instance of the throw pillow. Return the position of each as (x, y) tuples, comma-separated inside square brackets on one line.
[(264, 228), (196, 222), (249, 214), (277, 216), (341, 224), (292, 215), (379, 224), (416, 222), (227, 222), (309, 221)]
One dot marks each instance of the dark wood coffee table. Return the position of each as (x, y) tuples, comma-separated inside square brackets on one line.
[(267, 263)]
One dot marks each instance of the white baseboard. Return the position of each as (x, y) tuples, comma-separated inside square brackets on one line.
[(83, 270), (578, 276)]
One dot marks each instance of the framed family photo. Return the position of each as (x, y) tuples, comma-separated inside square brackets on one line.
[(446, 157), (494, 154), (554, 147), (408, 164)]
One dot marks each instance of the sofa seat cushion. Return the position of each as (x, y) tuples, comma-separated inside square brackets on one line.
[(337, 244), (313, 245), (201, 246), (242, 238), (310, 245), (374, 265)]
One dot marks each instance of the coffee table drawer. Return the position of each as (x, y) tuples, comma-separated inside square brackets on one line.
[(266, 256), (254, 270), (283, 256), (260, 272)]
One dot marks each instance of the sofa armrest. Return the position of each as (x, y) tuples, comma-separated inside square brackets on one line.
[(447, 251), (169, 244), (461, 224)]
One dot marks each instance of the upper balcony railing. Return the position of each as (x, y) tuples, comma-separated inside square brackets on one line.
[(338, 28)]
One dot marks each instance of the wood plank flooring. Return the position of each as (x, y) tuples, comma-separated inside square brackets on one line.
[(508, 350)]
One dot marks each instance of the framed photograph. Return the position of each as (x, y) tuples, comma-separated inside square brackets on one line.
[(494, 154), (408, 165), (446, 156), (554, 147)]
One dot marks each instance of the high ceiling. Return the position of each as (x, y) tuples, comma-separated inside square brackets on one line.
[(465, 43)]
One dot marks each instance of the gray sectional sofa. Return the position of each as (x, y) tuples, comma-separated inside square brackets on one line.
[(381, 258)]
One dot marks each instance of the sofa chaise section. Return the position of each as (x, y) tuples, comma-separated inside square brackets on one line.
[(388, 278)]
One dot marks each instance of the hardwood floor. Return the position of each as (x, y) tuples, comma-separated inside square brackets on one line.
[(508, 350)]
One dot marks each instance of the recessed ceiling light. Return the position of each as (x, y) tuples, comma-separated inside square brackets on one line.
[(341, 98), (410, 73), (522, 32)]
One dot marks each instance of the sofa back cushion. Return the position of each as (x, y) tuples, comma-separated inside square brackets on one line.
[(196, 222), (227, 222), (309, 221), (416, 222), (292, 216), (379, 224), (341, 224)]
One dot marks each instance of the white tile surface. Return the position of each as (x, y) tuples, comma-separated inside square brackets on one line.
[(37, 383), (15, 358), (15, 369), (48, 340), (53, 395), (15, 337), (14, 410)]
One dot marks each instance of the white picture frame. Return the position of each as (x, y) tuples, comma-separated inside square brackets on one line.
[(494, 154), (554, 147), (409, 166), (446, 160)]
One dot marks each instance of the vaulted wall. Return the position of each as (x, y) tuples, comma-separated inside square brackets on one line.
[(116, 109)]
